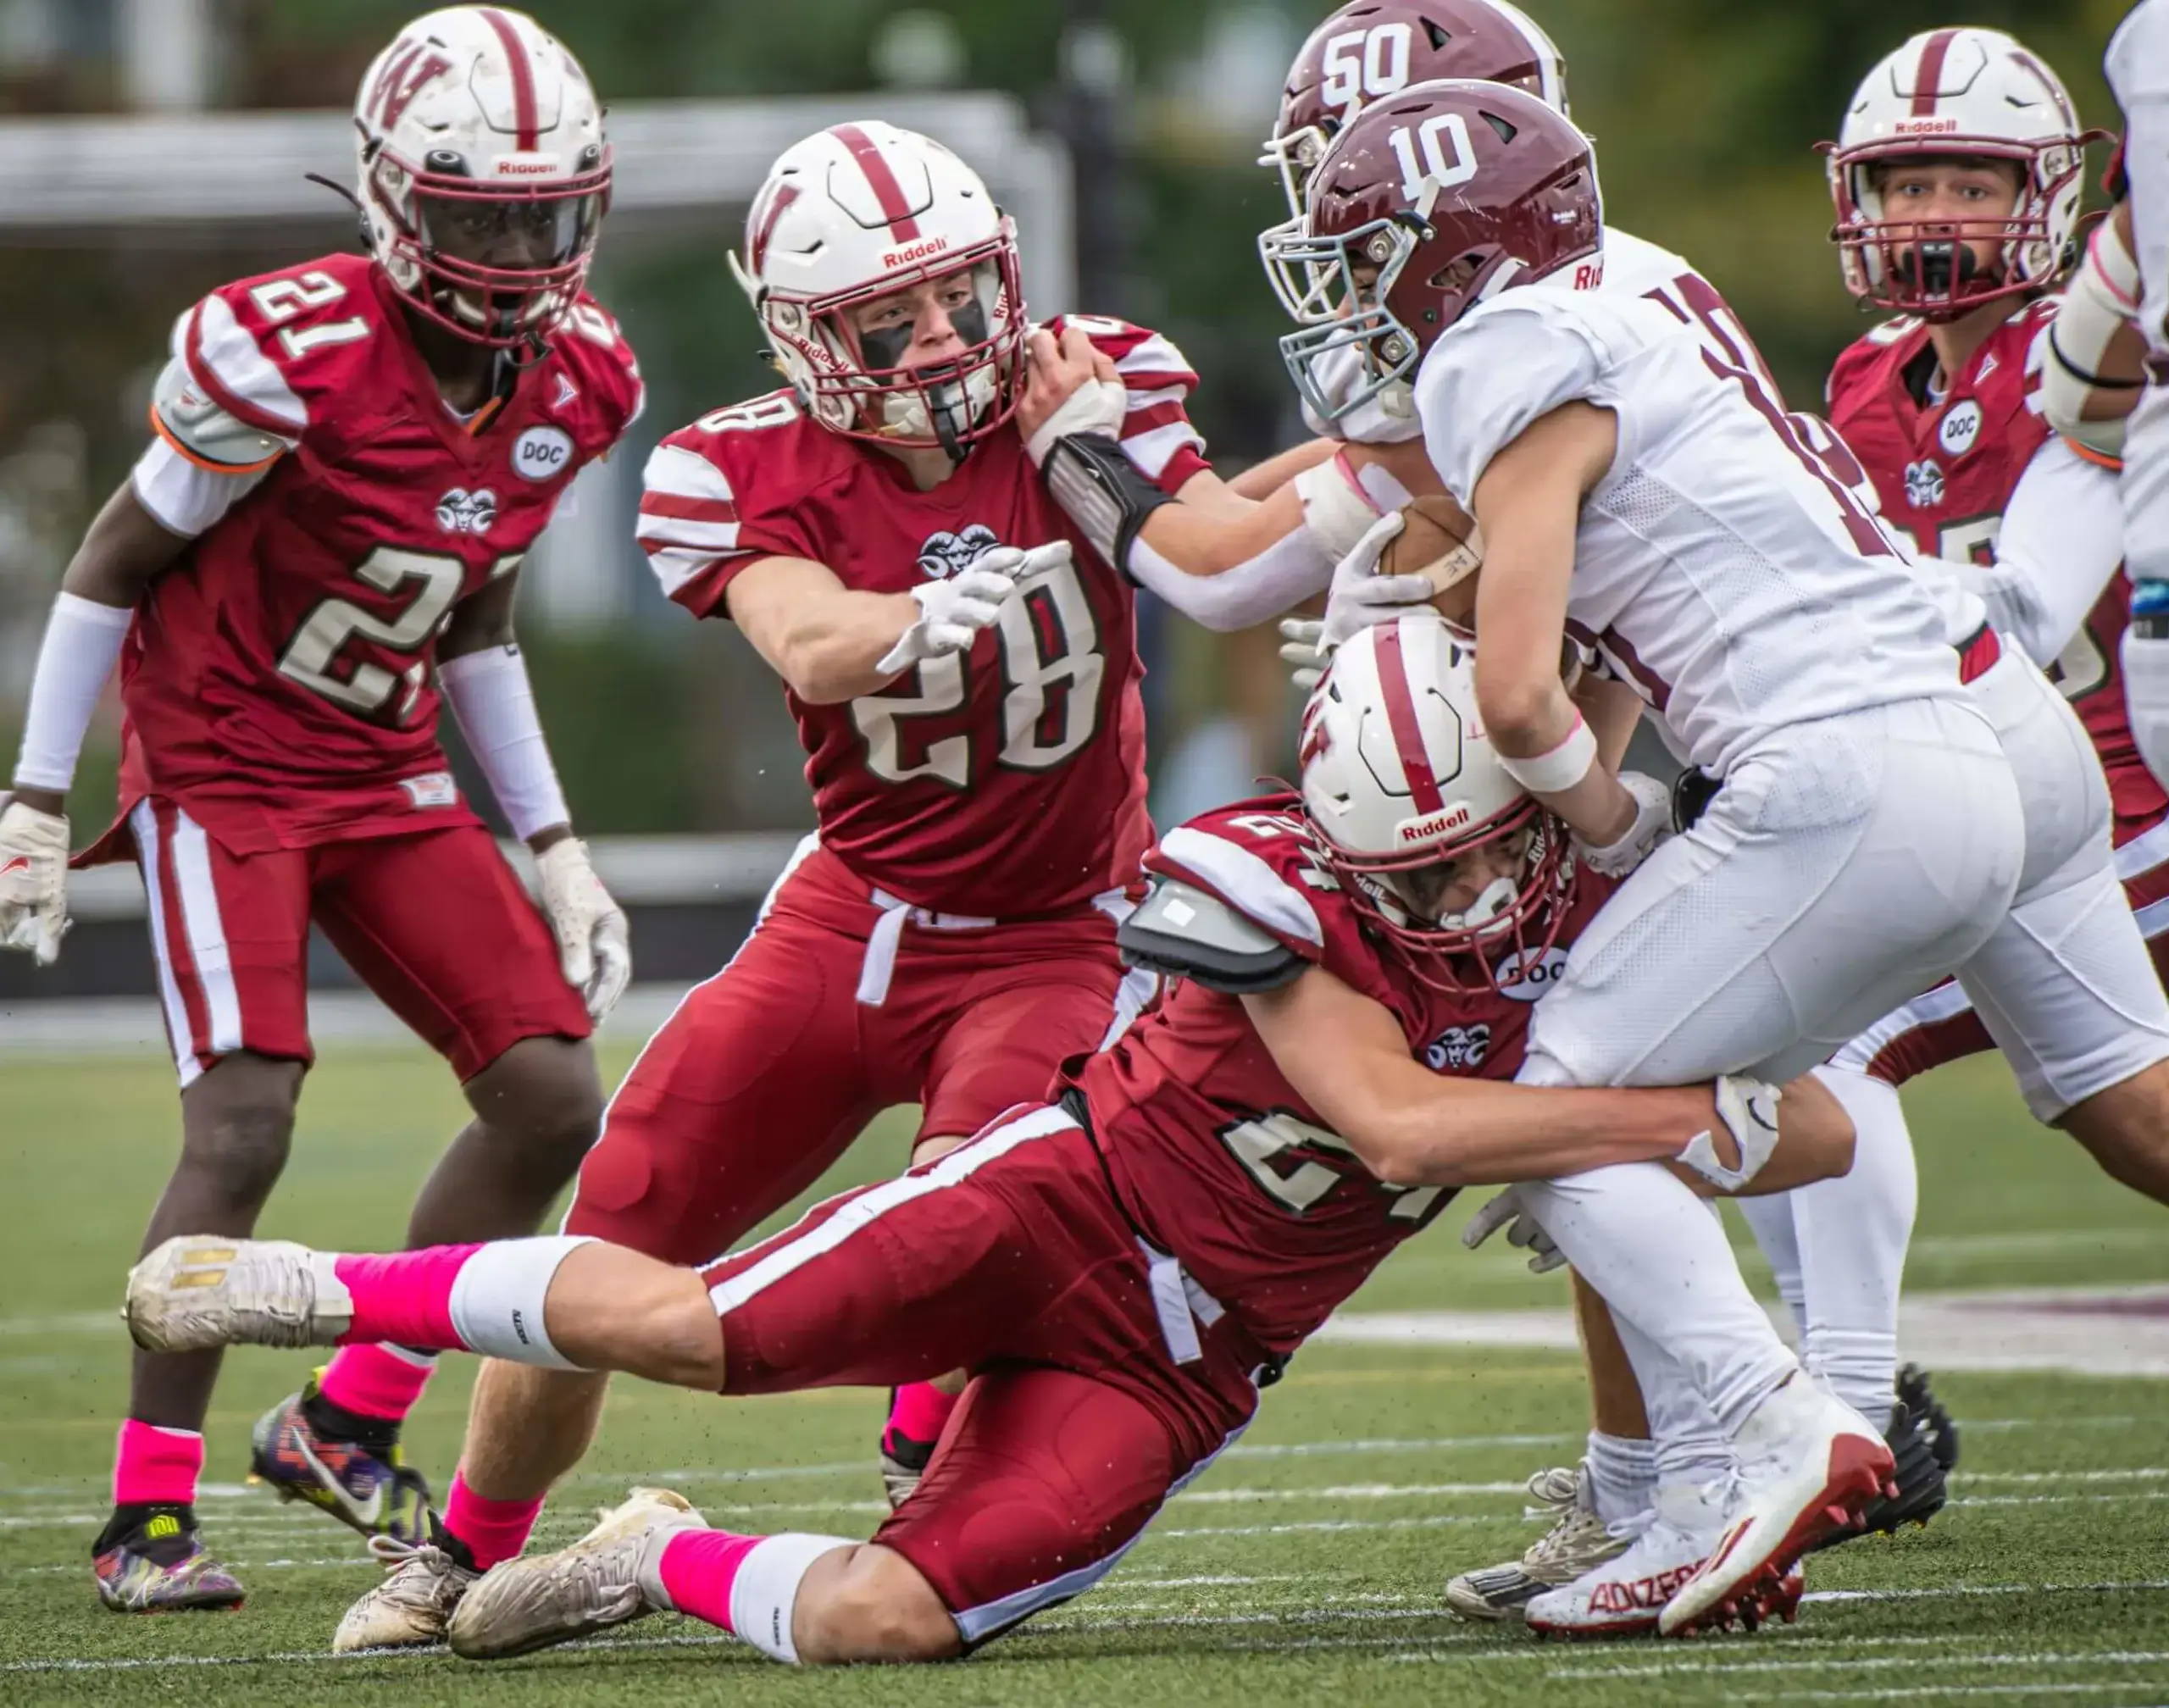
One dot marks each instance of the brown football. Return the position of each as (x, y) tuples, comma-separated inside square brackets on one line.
[(1433, 542)]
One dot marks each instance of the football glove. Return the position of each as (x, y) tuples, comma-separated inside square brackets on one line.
[(1508, 1211), (594, 943), (1360, 598), (33, 881), (951, 613), (1097, 406), (1652, 825)]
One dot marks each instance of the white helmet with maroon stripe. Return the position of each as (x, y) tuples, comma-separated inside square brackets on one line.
[(483, 171), (855, 212), (1401, 787), (1964, 94)]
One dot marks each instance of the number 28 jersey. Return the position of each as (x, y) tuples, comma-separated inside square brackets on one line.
[(1003, 782), (278, 680)]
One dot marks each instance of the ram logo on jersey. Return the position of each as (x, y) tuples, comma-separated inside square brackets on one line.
[(462, 512), (1458, 1049), (946, 554), (1924, 484)]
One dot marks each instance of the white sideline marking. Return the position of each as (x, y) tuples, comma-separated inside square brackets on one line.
[(1871, 1663), (1914, 1693)]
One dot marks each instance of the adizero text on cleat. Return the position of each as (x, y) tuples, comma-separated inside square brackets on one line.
[(151, 1560), (1622, 1596), (1577, 1541)]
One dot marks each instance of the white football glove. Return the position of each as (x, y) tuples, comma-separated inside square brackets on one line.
[(1508, 1211), (1652, 825), (1302, 649), (1360, 598), (33, 881), (951, 613), (1749, 1109), (1097, 406), (594, 943)]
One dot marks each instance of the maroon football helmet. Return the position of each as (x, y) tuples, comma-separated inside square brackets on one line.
[(1427, 203), (1371, 48)]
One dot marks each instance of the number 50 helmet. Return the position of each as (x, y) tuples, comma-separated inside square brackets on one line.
[(1968, 94), (483, 174), (1400, 781), (855, 212), (1427, 203)]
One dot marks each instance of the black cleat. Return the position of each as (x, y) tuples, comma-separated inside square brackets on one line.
[(1919, 1477), (1919, 1399)]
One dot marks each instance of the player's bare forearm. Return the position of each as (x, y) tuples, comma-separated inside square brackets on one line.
[(1613, 712), (1528, 505), (1209, 537), (1263, 480), (821, 637)]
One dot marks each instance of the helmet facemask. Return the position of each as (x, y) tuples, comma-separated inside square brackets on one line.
[(498, 262)]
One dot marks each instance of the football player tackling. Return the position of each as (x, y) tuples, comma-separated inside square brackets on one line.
[(1122, 1269), (353, 455)]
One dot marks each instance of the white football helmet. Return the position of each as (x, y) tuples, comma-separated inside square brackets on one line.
[(484, 173), (853, 213), (1400, 781), (1961, 93)]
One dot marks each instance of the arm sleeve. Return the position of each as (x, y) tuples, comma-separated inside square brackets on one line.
[(1283, 574), (2062, 539), (82, 641), (494, 704), (1487, 381)]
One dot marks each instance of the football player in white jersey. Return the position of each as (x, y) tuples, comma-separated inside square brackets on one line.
[(1640, 492)]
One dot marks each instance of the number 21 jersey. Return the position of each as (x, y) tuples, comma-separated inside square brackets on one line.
[(1003, 782), (277, 681)]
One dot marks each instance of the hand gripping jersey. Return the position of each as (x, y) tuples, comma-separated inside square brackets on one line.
[(1944, 470), (1721, 568), (278, 680), (1004, 782), (1212, 1154)]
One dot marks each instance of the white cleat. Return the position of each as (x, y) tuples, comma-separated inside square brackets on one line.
[(412, 1607), (203, 1290), (1622, 1597), (610, 1576), (1810, 1466), (1577, 1541)]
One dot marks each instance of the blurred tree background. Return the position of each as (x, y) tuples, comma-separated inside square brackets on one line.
[(1705, 112)]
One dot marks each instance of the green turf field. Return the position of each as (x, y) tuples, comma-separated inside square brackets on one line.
[(1304, 1568)]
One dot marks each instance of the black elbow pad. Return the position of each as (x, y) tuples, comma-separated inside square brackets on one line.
[(1182, 932)]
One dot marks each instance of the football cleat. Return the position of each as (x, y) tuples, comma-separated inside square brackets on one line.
[(1623, 1596), (1809, 1466), (1921, 1489), (903, 1462), (609, 1577), (1577, 1541), (413, 1605), (151, 1560), (203, 1291), (1914, 1394), (365, 1487)]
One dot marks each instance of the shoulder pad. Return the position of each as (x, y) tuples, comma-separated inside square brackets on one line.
[(1183, 932), (203, 432)]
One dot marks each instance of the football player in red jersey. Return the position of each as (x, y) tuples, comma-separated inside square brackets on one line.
[(351, 456), (1122, 1268)]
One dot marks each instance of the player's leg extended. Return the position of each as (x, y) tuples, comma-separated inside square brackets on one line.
[(438, 927), (229, 938)]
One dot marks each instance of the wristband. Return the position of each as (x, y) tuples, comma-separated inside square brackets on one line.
[(1558, 770), (494, 706)]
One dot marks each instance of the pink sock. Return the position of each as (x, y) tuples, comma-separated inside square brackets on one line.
[(376, 1381), (699, 1567), (153, 1464), (920, 1412), (493, 1530), (405, 1297)]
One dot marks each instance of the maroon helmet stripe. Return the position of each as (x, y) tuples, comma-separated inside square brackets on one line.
[(1400, 718), (523, 78), (785, 195), (1929, 80), (886, 190)]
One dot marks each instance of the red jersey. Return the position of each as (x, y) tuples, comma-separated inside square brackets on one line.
[(278, 680), (1212, 1154), (1004, 782), (1945, 469)]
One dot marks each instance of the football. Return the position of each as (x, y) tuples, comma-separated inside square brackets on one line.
[(1438, 539)]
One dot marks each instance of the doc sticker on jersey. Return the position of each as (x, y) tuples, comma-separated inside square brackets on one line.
[(1003, 782), (279, 681)]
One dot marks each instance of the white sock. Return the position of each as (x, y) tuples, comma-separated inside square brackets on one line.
[(1688, 1445), (1771, 1217), (1853, 1233), (1622, 1476), (1659, 1259), (496, 1298), (764, 1594)]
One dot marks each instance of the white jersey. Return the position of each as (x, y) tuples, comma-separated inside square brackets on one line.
[(2136, 63), (1720, 567)]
